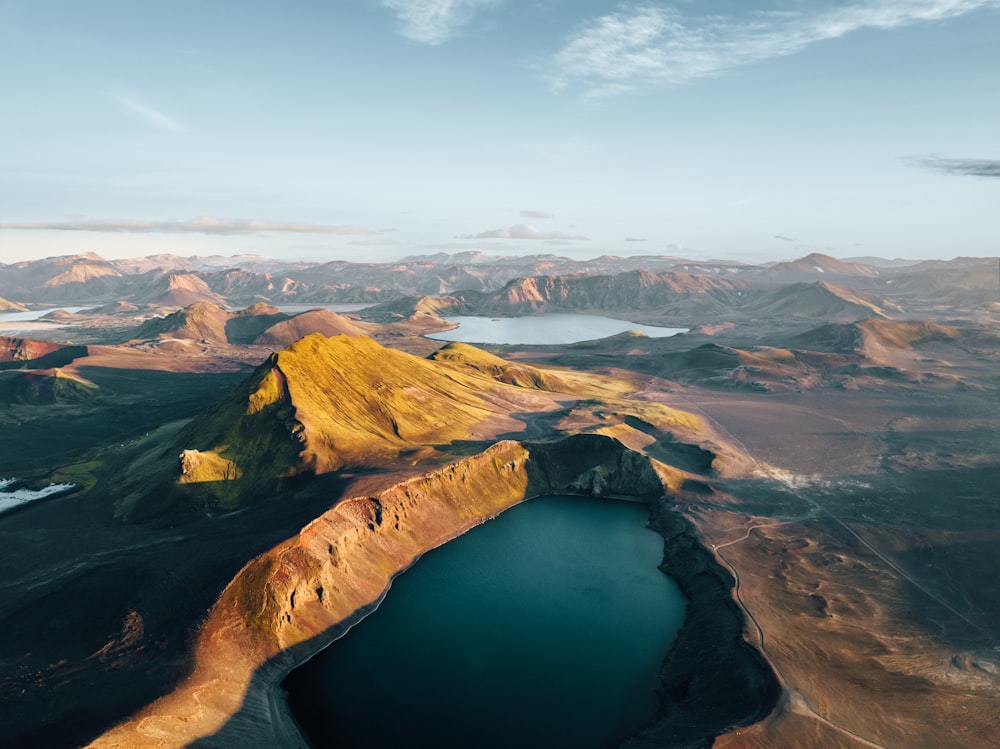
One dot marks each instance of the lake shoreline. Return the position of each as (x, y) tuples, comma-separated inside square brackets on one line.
[(712, 678), (708, 653), (549, 623)]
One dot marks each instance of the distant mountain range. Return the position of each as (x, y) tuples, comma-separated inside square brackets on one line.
[(499, 285)]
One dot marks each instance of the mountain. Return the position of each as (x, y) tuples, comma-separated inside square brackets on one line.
[(873, 354), (198, 321), (321, 321), (63, 279), (326, 404), (657, 285), (412, 308), (624, 291), (180, 289), (815, 265), (866, 335), (248, 324), (259, 324), (821, 299), (209, 263), (947, 283)]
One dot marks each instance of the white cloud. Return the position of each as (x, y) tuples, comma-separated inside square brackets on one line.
[(146, 114), (651, 44), (521, 231), (201, 225), (536, 214), (433, 21)]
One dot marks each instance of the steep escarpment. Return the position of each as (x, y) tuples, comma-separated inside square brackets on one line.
[(296, 598), (634, 290)]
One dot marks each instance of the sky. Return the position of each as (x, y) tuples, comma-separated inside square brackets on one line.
[(371, 130)]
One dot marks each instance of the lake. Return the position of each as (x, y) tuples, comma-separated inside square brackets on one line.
[(294, 309), (35, 314), (27, 323), (545, 627), (11, 498), (543, 329)]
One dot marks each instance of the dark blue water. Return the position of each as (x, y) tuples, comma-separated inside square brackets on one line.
[(543, 628)]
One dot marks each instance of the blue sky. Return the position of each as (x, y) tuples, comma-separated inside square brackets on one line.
[(375, 129)]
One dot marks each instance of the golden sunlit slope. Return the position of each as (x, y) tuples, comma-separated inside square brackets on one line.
[(521, 375), (325, 404)]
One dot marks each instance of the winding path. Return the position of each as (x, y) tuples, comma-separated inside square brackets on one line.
[(798, 701)]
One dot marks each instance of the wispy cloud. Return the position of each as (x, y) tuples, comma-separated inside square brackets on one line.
[(636, 239), (521, 231), (201, 225), (149, 116), (642, 45), (536, 214), (967, 167), (433, 22)]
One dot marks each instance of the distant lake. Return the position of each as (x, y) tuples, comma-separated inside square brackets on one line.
[(10, 498), (294, 309), (545, 627), (33, 316), (543, 329)]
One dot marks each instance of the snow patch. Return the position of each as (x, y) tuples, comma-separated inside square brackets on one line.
[(18, 497)]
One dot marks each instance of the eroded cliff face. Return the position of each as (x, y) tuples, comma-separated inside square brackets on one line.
[(293, 600), (629, 290)]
